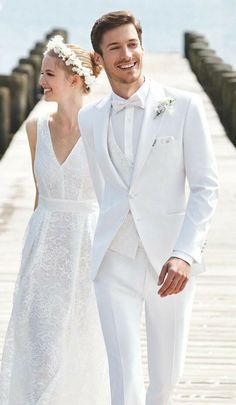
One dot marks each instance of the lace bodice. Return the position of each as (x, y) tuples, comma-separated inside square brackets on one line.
[(69, 180)]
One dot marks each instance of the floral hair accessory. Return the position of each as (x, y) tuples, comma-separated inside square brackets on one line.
[(164, 105), (70, 58)]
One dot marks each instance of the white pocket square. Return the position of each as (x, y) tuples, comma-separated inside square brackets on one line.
[(165, 139)]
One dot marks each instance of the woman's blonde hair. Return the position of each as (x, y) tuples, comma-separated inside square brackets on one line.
[(87, 59)]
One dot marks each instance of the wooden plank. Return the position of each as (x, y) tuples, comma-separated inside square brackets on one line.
[(210, 368)]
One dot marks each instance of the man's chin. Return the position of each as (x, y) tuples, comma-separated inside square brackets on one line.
[(131, 79)]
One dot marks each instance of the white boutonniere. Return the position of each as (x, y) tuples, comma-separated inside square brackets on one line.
[(164, 105)]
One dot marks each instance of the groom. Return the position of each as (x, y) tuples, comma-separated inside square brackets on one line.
[(143, 141)]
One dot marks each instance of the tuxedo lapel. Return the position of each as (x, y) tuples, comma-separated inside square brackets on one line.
[(150, 128), (101, 128)]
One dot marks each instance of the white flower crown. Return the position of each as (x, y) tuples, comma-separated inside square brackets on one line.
[(70, 58)]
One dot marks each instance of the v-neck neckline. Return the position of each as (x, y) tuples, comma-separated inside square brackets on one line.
[(53, 150)]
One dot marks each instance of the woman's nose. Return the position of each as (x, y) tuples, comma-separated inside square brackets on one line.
[(41, 80)]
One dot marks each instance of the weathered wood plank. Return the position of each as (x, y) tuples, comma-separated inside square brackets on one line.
[(210, 369)]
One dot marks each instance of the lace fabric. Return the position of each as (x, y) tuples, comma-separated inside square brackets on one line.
[(54, 352)]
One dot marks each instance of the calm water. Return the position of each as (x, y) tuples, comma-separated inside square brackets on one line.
[(23, 22)]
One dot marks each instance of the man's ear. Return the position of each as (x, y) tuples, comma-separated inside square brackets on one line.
[(98, 59)]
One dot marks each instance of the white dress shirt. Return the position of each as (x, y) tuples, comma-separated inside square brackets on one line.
[(126, 125)]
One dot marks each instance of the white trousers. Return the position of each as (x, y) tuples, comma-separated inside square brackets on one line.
[(122, 286)]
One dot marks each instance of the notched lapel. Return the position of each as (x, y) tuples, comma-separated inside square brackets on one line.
[(100, 130), (100, 126), (150, 128)]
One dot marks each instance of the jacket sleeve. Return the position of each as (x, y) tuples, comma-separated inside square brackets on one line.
[(201, 173), (86, 131)]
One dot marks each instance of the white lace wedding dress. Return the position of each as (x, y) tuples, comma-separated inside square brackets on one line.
[(54, 352)]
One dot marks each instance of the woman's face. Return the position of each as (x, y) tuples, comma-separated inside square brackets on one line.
[(54, 80)]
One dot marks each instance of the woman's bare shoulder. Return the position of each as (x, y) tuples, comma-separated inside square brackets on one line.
[(31, 130)]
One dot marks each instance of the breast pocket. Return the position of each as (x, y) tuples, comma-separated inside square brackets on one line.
[(165, 140), (166, 150)]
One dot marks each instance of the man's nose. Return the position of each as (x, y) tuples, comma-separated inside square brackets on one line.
[(127, 52)]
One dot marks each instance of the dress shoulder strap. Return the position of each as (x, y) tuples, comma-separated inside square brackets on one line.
[(42, 133), (42, 126)]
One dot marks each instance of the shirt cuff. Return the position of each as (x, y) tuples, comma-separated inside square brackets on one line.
[(184, 256)]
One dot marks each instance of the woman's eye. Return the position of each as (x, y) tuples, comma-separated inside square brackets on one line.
[(46, 74)]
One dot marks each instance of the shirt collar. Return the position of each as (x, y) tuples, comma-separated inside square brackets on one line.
[(142, 93)]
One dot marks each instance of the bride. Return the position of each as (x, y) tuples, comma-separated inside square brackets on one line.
[(54, 352)]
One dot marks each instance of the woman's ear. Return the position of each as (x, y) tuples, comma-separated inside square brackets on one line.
[(76, 80)]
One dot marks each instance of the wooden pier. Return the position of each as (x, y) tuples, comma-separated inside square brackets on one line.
[(210, 369)]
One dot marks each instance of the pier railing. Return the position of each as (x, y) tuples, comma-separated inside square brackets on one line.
[(217, 78), (20, 91)]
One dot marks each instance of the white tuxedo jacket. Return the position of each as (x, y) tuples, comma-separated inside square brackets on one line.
[(173, 147)]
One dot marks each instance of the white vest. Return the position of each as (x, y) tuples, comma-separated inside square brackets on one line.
[(127, 240)]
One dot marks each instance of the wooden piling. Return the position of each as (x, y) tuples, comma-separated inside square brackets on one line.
[(192, 37), (26, 68), (217, 78), (35, 62), (5, 118), (58, 31)]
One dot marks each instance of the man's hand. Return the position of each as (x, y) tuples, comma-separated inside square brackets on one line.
[(174, 276)]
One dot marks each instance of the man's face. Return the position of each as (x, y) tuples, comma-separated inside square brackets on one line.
[(122, 56)]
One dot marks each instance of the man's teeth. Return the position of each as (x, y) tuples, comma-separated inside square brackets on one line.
[(127, 66), (46, 90)]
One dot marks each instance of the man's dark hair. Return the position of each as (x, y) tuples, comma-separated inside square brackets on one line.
[(109, 21)]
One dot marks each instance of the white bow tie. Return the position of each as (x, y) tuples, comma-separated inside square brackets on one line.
[(135, 101)]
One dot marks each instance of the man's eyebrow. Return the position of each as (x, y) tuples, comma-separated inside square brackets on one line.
[(112, 43), (117, 43)]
